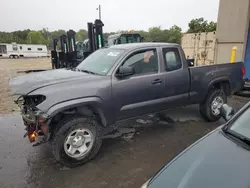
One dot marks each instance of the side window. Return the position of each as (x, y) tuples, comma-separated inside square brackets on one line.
[(39, 49), (172, 59), (123, 40), (20, 47), (29, 48), (144, 62), (14, 47)]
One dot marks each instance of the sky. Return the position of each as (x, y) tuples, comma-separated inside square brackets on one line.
[(115, 14)]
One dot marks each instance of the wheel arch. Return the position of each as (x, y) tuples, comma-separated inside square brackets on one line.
[(223, 83), (85, 107)]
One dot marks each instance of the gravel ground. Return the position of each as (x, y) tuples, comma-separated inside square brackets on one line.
[(9, 68)]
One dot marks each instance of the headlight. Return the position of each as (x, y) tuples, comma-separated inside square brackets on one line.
[(33, 100), (28, 105)]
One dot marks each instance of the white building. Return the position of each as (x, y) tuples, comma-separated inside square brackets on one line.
[(233, 30)]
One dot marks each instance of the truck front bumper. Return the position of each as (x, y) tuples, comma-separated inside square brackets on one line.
[(36, 125)]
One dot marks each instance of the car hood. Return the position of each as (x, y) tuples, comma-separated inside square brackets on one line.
[(214, 161), (27, 83)]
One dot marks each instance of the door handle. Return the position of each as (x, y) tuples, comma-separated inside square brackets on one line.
[(157, 81)]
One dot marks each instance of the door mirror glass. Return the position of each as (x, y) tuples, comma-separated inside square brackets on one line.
[(227, 112), (125, 71), (190, 62)]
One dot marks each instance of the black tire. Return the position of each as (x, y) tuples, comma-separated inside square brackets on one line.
[(68, 125), (205, 107)]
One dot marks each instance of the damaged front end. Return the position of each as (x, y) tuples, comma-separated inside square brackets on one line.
[(35, 120)]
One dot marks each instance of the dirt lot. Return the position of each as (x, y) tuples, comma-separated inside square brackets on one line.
[(8, 69)]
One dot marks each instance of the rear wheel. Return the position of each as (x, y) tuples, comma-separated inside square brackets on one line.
[(210, 108), (77, 141)]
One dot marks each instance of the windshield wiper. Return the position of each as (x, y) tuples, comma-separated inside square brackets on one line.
[(87, 71), (238, 136)]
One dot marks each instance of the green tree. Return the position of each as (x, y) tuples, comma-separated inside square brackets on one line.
[(36, 37), (200, 25), (144, 34), (81, 35), (156, 34), (174, 34), (20, 36), (211, 27), (6, 37), (57, 33)]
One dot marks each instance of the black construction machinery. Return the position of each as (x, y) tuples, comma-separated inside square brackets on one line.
[(72, 53), (124, 38)]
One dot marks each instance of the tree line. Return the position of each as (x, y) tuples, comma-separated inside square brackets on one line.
[(171, 35)]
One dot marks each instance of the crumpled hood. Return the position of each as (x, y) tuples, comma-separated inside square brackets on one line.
[(24, 84), (214, 162)]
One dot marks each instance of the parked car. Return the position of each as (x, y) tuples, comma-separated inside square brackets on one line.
[(219, 159), (71, 108)]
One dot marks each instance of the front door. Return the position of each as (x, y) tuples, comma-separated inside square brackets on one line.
[(140, 93)]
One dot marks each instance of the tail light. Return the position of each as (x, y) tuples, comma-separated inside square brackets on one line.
[(243, 70)]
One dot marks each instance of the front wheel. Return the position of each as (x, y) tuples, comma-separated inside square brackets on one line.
[(77, 141), (210, 108)]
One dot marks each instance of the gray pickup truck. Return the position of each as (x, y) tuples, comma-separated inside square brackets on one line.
[(71, 108)]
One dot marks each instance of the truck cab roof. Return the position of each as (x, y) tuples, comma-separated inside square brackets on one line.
[(132, 46)]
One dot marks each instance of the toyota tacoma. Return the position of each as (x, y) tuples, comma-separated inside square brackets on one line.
[(71, 108)]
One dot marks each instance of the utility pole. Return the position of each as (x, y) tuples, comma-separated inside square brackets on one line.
[(47, 33), (99, 9)]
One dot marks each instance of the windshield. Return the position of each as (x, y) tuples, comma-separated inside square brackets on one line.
[(124, 39), (101, 61), (111, 41), (241, 124), (130, 38)]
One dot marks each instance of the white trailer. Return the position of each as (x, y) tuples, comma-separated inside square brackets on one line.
[(14, 50)]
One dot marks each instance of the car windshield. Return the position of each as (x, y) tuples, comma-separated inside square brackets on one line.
[(241, 125), (101, 61)]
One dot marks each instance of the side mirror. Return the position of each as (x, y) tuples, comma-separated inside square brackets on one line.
[(125, 71), (227, 112), (190, 62)]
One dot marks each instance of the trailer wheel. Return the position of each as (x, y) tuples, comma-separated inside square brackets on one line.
[(77, 141), (210, 108)]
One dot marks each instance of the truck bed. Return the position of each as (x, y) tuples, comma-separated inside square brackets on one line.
[(202, 77)]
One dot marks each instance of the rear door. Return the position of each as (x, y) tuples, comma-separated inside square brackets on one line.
[(142, 92), (176, 78)]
